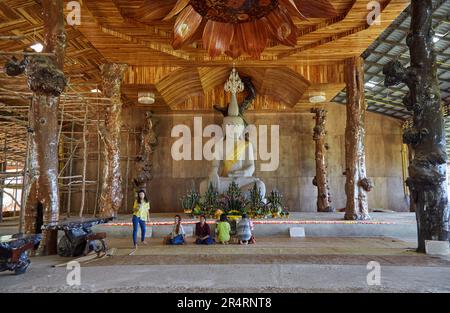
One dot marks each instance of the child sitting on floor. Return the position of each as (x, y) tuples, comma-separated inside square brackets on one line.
[(244, 231), (223, 230)]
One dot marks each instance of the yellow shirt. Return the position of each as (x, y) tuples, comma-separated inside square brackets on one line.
[(223, 231), (141, 210)]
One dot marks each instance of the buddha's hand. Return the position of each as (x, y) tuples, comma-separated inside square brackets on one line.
[(236, 174)]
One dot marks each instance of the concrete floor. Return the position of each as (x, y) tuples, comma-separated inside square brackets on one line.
[(272, 265)]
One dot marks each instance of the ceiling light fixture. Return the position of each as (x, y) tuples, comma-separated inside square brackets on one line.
[(317, 98), (96, 90), (146, 97), (38, 47)]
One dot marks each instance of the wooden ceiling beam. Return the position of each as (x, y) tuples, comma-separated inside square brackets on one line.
[(354, 44)]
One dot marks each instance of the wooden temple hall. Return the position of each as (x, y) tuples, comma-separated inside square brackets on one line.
[(319, 117)]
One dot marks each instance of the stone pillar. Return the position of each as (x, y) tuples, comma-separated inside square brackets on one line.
[(144, 162), (357, 184), (112, 194), (320, 180), (46, 79), (427, 172)]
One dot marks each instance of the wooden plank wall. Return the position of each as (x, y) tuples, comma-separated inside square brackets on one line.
[(296, 170)]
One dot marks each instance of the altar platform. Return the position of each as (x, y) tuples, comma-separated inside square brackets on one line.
[(395, 225), (401, 225)]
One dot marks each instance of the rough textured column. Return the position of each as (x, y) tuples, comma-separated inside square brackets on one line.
[(144, 162), (2, 181), (427, 171), (357, 184), (46, 79), (112, 195), (320, 180)]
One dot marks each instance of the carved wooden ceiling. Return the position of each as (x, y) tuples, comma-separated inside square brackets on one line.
[(234, 27), (141, 34), (189, 78), (146, 40)]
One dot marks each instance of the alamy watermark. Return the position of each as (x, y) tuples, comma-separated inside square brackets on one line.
[(73, 277), (373, 278), (374, 16), (222, 143), (74, 15)]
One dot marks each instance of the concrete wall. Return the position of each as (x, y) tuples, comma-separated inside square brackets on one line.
[(172, 179)]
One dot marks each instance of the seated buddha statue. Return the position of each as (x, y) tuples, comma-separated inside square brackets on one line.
[(235, 161)]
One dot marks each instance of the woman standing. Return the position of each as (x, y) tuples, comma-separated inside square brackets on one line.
[(244, 230), (141, 209), (176, 237)]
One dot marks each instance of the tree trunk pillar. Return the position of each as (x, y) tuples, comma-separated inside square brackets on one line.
[(144, 162), (111, 195), (46, 80), (320, 180), (427, 172), (2, 182), (357, 184)]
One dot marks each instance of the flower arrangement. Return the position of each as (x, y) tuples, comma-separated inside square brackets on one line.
[(210, 201), (256, 206), (275, 204), (191, 203), (233, 202)]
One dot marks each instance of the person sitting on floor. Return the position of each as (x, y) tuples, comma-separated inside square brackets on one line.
[(223, 230), (203, 232), (177, 235), (244, 231), (252, 227)]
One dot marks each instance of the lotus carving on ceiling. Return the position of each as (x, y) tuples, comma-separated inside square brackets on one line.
[(235, 27)]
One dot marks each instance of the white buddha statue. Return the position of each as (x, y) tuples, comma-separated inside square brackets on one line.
[(235, 162)]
